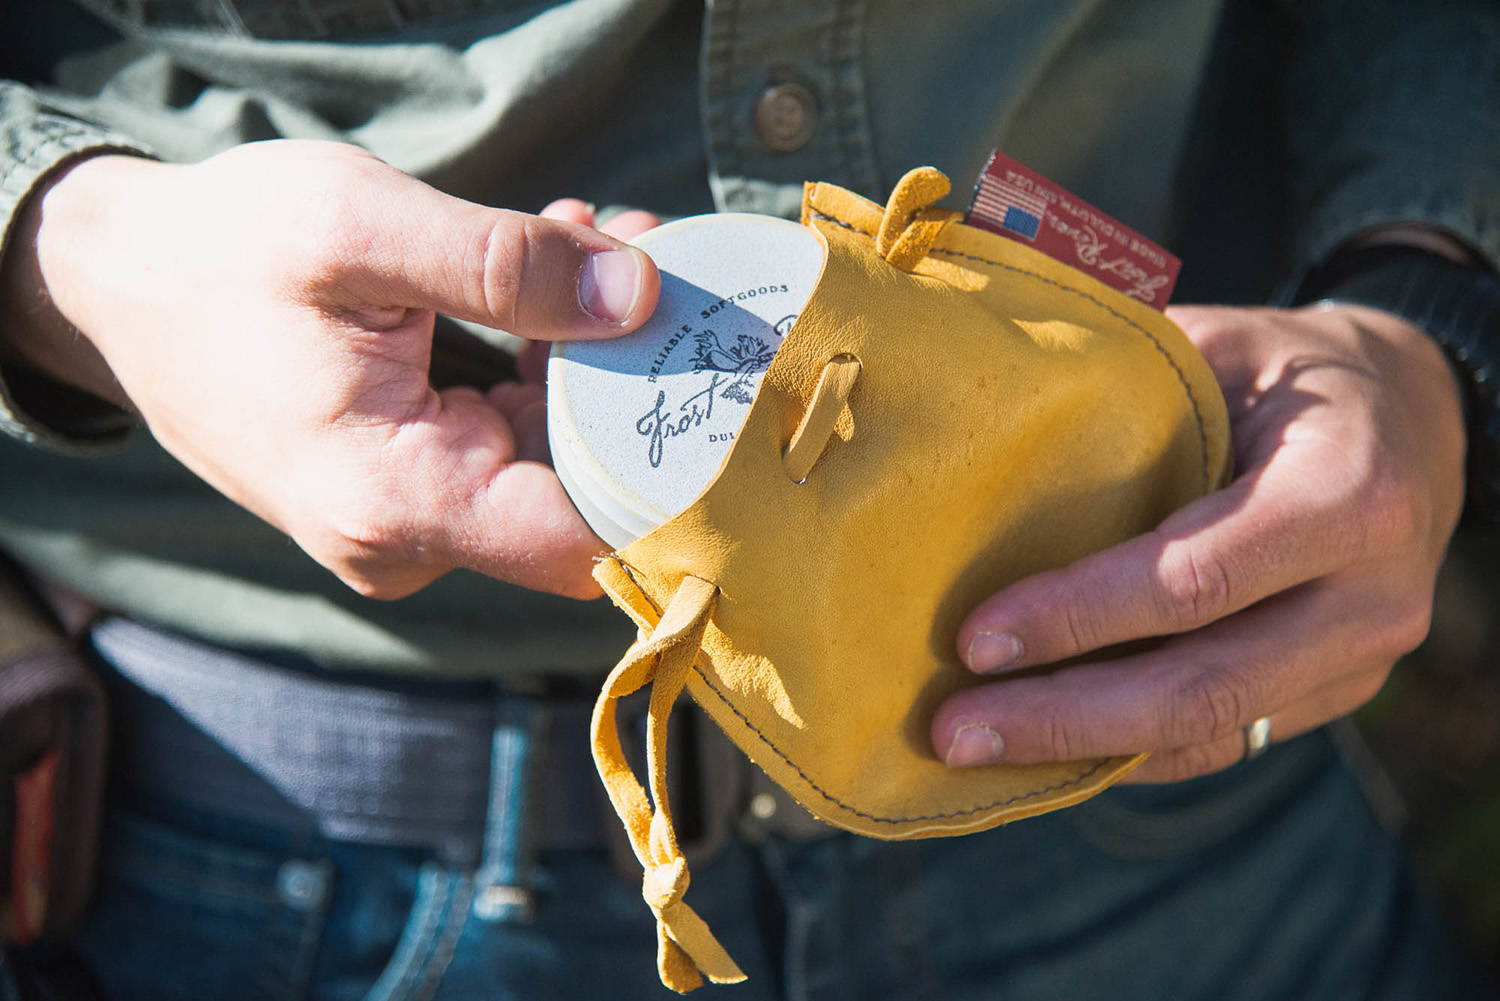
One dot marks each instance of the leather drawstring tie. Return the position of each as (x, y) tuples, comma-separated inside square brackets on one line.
[(686, 951), (911, 224), (829, 398), (684, 945)]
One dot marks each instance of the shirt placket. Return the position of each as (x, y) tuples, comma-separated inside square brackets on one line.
[(783, 101)]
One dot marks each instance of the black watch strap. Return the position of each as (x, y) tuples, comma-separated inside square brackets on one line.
[(1459, 307)]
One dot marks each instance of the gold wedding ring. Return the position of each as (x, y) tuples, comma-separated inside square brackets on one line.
[(1257, 738)]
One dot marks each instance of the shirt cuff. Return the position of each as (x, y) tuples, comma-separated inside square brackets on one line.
[(33, 408), (1470, 216)]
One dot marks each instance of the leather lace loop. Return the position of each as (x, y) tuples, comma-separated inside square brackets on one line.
[(686, 951), (910, 224), (829, 397)]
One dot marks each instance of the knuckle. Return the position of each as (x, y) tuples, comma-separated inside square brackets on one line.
[(1393, 516), (1409, 627), (329, 238), (1367, 688), (374, 587), (504, 253), (1194, 586), (1191, 762), (1081, 629), (1208, 707), (364, 532), (370, 562), (1060, 743)]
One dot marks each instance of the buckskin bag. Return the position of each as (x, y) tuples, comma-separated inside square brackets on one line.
[(951, 412)]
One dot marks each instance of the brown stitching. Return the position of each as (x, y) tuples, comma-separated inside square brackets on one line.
[(1078, 780), (1011, 800), (1161, 349), (839, 222)]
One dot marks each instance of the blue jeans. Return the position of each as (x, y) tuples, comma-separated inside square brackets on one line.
[(1269, 880)]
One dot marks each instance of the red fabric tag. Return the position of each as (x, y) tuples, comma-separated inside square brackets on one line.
[(1017, 202)]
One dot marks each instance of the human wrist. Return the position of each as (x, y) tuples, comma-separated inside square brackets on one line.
[(1457, 305), (43, 266)]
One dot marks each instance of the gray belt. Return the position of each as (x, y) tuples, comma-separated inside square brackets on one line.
[(383, 761)]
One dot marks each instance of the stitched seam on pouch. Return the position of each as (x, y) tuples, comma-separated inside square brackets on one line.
[(1161, 349), (1077, 780)]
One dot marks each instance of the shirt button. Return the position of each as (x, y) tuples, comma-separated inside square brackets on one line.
[(786, 115)]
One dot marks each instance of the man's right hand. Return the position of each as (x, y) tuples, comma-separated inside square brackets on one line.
[(269, 314)]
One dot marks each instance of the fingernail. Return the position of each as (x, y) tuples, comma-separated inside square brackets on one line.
[(974, 744), (993, 651), (610, 284)]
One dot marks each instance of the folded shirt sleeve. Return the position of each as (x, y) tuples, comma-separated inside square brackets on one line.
[(34, 142), (1393, 115)]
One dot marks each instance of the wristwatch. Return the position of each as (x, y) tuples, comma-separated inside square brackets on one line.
[(1459, 307)]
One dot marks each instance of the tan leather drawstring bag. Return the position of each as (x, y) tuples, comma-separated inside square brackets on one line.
[(952, 411)]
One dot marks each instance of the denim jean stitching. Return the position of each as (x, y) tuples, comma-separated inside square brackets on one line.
[(443, 952), (279, 964), (434, 895), (299, 974), (795, 916), (209, 870), (165, 876)]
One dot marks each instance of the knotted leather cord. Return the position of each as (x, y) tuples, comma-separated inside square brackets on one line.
[(686, 950), (910, 225), (829, 396), (907, 232)]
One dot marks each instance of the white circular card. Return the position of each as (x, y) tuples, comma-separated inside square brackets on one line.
[(640, 424)]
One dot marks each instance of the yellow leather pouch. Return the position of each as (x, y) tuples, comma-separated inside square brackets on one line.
[(951, 412)]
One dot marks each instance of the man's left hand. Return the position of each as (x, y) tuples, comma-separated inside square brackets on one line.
[(1289, 594)]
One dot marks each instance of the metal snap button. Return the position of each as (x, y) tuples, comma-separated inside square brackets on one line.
[(786, 115), (303, 885)]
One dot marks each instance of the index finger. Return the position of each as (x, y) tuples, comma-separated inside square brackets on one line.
[(1191, 691), (1266, 532)]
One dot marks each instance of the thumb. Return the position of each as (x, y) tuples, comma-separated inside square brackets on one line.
[(544, 279)]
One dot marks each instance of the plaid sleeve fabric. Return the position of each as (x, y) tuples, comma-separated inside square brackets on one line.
[(33, 144)]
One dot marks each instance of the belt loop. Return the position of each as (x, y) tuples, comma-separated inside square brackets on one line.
[(503, 890)]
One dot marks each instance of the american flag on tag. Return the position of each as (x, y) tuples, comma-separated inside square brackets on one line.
[(1017, 202), (1015, 209)]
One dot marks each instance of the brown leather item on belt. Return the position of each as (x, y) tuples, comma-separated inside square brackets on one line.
[(53, 731)]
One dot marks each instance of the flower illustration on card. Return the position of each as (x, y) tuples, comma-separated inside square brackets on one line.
[(743, 357)]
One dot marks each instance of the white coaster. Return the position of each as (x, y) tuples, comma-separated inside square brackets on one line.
[(640, 424)]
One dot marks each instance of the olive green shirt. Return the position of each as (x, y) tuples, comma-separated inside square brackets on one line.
[(1249, 138)]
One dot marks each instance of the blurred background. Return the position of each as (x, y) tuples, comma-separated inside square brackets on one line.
[(1434, 731)]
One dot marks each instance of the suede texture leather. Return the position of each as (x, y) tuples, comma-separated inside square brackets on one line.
[(979, 412)]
